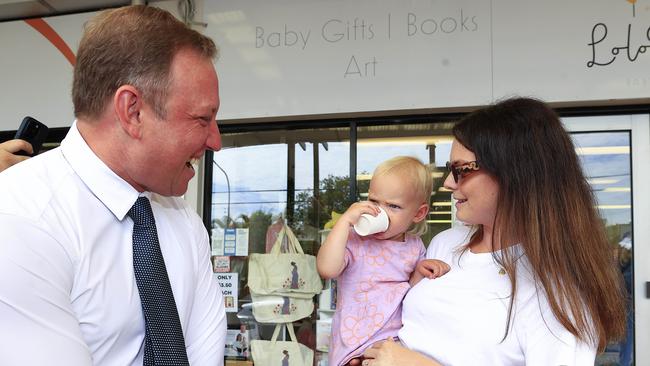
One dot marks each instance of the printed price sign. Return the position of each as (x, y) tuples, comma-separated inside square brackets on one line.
[(229, 283)]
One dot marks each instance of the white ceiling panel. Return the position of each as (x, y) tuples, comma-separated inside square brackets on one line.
[(22, 9)]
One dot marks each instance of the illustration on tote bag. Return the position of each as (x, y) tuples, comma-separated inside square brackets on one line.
[(285, 359), (287, 307), (295, 282)]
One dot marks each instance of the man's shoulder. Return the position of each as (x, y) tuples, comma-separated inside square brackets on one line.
[(27, 188)]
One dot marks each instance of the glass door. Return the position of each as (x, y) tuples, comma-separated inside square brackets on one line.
[(614, 154), (262, 181)]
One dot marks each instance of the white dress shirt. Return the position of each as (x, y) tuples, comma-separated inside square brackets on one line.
[(68, 294)]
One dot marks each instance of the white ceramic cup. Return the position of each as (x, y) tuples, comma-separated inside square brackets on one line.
[(368, 224)]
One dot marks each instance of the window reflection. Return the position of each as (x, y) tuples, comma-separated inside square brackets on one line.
[(262, 179), (605, 158)]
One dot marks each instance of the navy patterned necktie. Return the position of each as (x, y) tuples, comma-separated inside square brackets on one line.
[(164, 343)]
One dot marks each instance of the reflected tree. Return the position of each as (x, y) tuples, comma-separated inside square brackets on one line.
[(312, 211), (257, 223)]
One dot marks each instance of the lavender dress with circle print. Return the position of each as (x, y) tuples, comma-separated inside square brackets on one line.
[(370, 293)]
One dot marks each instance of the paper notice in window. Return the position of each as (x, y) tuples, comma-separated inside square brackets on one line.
[(220, 263), (229, 283), (229, 241), (242, 243), (217, 241)]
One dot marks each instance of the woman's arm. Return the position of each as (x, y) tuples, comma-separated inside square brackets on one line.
[(391, 353)]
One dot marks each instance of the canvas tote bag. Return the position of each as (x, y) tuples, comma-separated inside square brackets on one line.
[(290, 274), (281, 353)]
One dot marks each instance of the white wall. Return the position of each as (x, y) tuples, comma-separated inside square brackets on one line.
[(36, 78), (284, 58), (307, 57)]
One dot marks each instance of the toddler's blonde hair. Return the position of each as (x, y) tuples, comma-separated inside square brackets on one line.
[(418, 175)]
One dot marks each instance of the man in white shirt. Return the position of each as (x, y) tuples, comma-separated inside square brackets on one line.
[(145, 94)]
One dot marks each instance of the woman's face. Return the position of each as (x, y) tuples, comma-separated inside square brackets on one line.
[(476, 193)]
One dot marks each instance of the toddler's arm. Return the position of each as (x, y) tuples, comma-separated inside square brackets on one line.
[(429, 268), (330, 260)]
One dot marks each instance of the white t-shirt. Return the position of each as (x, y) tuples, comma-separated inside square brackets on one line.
[(460, 318), (68, 294)]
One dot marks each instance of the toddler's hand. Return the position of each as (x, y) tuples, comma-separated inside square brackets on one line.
[(354, 212), (432, 268)]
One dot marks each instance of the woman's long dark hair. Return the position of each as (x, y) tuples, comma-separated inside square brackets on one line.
[(546, 204)]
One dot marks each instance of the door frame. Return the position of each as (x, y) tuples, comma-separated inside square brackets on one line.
[(639, 127)]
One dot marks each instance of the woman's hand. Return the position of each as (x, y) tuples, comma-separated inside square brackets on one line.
[(391, 353)]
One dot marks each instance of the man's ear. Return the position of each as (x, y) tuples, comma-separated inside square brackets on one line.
[(421, 213), (128, 104)]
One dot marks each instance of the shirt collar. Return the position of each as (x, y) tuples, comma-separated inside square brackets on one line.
[(113, 191)]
